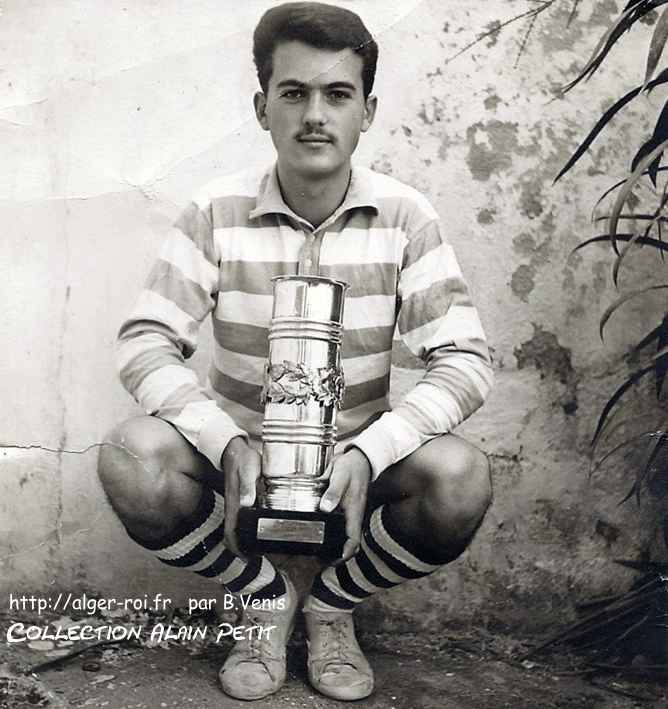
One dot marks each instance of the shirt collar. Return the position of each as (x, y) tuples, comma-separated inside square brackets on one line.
[(360, 194)]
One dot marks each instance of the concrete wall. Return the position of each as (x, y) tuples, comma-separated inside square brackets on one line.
[(112, 113)]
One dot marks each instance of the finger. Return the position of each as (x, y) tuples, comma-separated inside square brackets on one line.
[(353, 520), (230, 528), (354, 514), (231, 510), (338, 484), (354, 503), (230, 538), (349, 549), (249, 474), (330, 466)]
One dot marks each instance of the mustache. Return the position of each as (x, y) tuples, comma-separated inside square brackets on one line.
[(310, 135)]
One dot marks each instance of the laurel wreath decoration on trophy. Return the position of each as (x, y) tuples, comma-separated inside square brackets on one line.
[(295, 383)]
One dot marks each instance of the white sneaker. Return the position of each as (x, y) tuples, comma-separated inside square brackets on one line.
[(337, 667), (255, 667)]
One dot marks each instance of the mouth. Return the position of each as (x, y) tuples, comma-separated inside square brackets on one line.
[(313, 139)]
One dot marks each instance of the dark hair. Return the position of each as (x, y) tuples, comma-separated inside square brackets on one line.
[(318, 25)]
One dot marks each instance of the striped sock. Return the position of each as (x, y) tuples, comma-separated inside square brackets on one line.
[(386, 558), (197, 544)]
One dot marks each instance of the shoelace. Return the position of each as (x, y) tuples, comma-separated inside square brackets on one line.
[(254, 645), (336, 635)]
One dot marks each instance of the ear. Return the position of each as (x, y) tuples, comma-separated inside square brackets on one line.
[(260, 105), (370, 106)]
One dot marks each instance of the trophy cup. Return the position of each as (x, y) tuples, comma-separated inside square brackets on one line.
[(303, 389)]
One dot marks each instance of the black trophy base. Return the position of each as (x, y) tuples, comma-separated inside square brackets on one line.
[(321, 534)]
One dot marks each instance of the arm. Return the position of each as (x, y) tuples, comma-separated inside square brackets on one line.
[(438, 322), (161, 333)]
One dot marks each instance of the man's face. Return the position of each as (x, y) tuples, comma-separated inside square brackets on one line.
[(314, 108)]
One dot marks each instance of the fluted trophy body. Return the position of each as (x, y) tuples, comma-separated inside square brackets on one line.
[(302, 393), (303, 390)]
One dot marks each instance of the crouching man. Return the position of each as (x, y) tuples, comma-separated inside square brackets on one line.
[(413, 492)]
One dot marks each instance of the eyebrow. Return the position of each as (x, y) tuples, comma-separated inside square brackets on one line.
[(302, 85)]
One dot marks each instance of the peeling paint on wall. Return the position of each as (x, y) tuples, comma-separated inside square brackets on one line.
[(522, 282), (551, 360), (486, 216), (491, 102), (491, 148)]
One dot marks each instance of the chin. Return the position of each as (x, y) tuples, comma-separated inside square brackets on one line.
[(316, 168)]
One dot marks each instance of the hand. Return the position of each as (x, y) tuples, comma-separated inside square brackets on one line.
[(241, 466), (348, 485)]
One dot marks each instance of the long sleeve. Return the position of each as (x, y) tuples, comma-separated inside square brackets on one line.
[(161, 333), (439, 323)]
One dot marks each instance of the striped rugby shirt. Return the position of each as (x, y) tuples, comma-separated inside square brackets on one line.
[(384, 240)]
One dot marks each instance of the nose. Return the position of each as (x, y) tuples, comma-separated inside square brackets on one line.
[(314, 112)]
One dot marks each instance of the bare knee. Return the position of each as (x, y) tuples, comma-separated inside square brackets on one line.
[(133, 467), (457, 490), (137, 444)]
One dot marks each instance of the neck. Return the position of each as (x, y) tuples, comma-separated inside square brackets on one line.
[(314, 199)]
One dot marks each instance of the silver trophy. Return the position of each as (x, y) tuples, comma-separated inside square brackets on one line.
[(303, 390)]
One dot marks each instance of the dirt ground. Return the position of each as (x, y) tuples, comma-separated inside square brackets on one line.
[(451, 670)]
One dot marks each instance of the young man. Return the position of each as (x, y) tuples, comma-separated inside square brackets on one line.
[(177, 477)]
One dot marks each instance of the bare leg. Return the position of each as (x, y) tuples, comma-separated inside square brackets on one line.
[(423, 513), (438, 495), (152, 476), (169, 497)]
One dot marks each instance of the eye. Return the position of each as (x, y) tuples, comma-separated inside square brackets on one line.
[(338, 95), (293, 94)]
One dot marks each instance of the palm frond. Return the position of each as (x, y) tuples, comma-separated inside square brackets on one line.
[(642, 217), (616, 186), (653, 221), (634, 378), (632, 3), (608, 40), (625, 297), (595, 465), (662, 366), (656, 46), (650, 337), (657, 441), (622, 255), (605, 238), (659, 135), (627, 189), (607, 117)]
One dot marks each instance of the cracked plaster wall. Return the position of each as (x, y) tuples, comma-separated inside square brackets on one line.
[(109, 118)]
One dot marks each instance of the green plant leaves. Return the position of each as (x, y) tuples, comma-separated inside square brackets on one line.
[(631, 14), (631, 380), (653, 220), (642, 240), (617, 185), (641, 229), (650, 469), (659, 135), (655, 334), (656, 46), (595, 465), (627, 189), (634, 378), (644, 473), (618, 617), (623, 299), (607, 117), (662, 365)]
